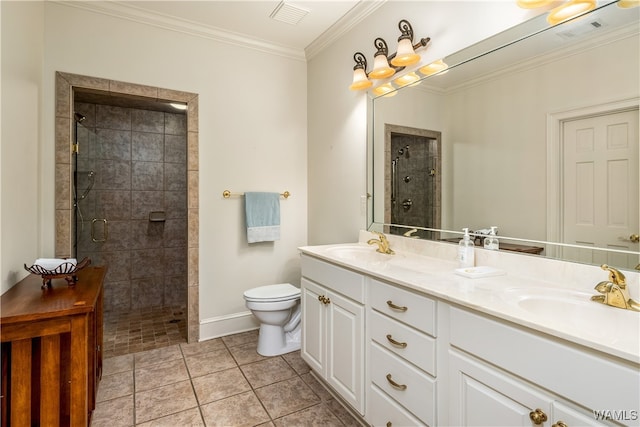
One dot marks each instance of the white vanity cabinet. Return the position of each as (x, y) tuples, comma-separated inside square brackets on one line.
[(504, 375), (401, 339), (333, 327)]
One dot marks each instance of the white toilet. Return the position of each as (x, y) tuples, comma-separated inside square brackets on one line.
[(277, 307)]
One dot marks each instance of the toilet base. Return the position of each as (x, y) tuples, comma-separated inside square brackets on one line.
[(274, 341)]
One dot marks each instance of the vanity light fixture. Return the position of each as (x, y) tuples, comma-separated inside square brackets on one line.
[(628, 4), (533, 4), (407, 79), (360, 80), (435, 67), (381, 68), (386, 90), (569, 10)]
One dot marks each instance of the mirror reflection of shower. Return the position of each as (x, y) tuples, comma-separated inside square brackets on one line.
[(414, 185)]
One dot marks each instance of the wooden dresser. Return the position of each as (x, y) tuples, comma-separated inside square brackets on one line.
[(51, 350)]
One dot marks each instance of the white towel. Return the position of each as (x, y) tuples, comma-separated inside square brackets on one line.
[(53, 263), (263, 216)]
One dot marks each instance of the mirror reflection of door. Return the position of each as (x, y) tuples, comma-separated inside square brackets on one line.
[(600, 184), (414, 198)]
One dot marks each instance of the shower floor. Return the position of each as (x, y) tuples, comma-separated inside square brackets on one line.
[(143, 329)]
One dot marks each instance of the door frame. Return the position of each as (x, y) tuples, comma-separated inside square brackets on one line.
[(555, 142)]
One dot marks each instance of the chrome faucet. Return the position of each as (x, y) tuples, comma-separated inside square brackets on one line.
[(614, 291), (382, 242)]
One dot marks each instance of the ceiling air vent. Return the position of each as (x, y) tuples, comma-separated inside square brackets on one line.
[(288, 13)]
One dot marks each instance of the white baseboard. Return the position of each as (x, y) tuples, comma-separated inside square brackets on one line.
[(221, 326)]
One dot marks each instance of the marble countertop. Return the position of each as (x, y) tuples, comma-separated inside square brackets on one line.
[(541, 305)]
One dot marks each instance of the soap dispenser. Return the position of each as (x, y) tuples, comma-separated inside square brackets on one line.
[(466, 255), (491, 242)]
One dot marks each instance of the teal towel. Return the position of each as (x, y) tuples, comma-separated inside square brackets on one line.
[(263, 216)]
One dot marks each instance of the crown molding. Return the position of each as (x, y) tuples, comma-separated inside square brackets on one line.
[(122, 10), (354, 16)]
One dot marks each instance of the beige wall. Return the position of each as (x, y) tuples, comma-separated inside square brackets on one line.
[(20, 194)]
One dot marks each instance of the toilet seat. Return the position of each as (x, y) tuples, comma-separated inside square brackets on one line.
[(272, 293)]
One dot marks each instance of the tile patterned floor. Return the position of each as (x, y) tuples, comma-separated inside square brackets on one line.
[(219, 382), (143, 329)]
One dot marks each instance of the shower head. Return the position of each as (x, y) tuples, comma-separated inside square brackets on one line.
[(79, 117)]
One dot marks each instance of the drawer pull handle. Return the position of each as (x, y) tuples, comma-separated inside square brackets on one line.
[(396, 343), (538, 416), (560, 424), (395, 384), (396, 307)]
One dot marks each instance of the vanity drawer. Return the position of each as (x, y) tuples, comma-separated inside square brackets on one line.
[(346, 282), (383, 411), (420, 349), (418, 393), (408, 307)]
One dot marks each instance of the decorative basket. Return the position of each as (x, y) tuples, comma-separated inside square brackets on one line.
[(66, 270)]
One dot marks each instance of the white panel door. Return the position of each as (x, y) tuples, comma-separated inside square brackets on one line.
[(600, 187)]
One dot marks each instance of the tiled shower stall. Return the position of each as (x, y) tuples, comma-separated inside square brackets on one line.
[(131, 170)]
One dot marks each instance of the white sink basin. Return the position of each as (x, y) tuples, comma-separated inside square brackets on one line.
[(352, 252)]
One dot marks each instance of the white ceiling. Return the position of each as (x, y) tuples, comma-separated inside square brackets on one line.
[(250, 18)]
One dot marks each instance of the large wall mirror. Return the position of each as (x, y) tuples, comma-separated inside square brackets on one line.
[(534, 131)]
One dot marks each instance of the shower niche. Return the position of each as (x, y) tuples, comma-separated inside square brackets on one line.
[(412, 180)]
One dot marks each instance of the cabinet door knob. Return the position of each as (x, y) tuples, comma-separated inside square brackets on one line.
[(560, 424), (396, 343), (320, 298), (537, 416), (396, 307), (395, 384), (389, 424), (327, 301)]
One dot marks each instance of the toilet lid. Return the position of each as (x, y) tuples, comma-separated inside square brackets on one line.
[(279, 292)]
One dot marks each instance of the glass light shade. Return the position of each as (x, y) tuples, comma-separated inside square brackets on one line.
[(405, 55), (407, 79), (386, 90), (627, 4), (532, 4), (569, 10), (381, 69), (433, 68), (360, 80)]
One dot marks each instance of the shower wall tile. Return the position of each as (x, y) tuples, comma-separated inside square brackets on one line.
[(117, 296), (113, 144), (133, 89), (119, 235), (175, 95), (147, 121), (62, 187), (113, 175), (193, 195), (147, 292), (143, 202), (118, 264), (146, 146), (175, 261), (192, 114), (193, 264), (108, 117), (63, 143), (146, 263), (63, 96), (175, 290), (192, 150), (175, 233), (147, 176), (175, 176), (193, 228), (175, 204), (95, 83), (175, 148), (175, 124), (63, 235), (113, 205), (147, 235)]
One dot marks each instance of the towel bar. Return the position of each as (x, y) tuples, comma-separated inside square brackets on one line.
[(226, 194)]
